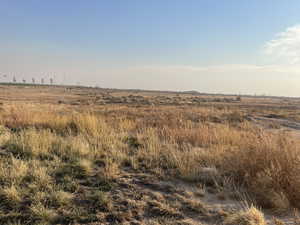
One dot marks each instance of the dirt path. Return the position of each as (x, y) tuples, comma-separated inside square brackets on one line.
[(277, 125), (282, 122)]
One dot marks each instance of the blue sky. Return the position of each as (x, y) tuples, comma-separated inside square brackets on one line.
[(227, 46)]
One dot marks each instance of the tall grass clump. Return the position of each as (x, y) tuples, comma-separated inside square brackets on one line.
[(269, 165), (248, 216), (31, 143)]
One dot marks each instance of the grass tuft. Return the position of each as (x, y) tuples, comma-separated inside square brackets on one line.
[(249, 216)]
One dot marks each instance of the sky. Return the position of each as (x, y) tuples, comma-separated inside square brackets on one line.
[(212, 46)]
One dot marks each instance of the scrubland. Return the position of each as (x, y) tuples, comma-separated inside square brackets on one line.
[(119, 164)]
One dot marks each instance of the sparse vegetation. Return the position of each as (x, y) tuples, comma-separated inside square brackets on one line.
[(67, 165)]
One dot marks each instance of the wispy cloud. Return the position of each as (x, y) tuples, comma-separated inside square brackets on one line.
[(285, 47), (282, 54)]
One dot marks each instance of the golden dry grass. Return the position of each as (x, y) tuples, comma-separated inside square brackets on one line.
[(52, 152), (249, 216)]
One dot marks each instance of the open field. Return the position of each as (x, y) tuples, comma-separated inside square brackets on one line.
[(71, 155)]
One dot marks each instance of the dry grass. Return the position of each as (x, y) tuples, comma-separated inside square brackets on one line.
[(249, 216), (57, 155)]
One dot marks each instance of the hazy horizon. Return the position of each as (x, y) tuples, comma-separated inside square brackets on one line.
[(230, 47)]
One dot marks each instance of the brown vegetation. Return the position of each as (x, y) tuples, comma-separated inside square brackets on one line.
[(66, 165)]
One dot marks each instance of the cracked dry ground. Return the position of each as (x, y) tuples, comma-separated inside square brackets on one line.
[(137, 198)]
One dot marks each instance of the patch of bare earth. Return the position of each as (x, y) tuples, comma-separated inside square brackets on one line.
[(145, 199)]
